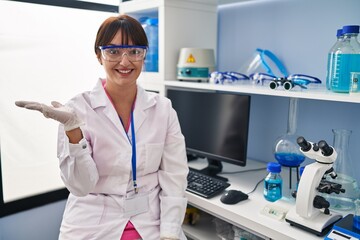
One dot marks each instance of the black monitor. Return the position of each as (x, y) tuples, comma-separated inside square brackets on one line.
[(215, 125)]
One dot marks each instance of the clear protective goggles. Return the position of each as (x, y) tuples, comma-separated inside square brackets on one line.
[(227, 77), (287, 82), (115, 53)]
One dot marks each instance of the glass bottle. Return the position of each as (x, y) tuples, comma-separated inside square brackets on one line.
[(345, 173), (331, 58), (273, 182), (346, 60)]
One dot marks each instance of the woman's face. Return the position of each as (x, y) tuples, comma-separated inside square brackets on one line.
[(122, 73)]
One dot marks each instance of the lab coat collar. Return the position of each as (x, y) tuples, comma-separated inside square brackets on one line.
[(144, 100)]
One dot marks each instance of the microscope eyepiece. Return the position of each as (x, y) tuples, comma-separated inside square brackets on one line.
[(305, 145), (325, 148)]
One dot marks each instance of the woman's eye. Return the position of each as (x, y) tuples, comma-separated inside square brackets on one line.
[(133, 51), (113, 51)]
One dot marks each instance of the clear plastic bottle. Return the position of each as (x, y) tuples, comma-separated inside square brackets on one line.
[(346, 60), (152, 56), (273, 182), (331, 58)]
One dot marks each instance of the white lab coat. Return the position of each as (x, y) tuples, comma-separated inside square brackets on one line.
[(98, 174)]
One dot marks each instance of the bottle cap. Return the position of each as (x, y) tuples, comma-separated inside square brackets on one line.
[(273, 167), (339, 32), (350, 29)]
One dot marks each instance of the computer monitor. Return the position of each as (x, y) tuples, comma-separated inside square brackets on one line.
[(215, 125)]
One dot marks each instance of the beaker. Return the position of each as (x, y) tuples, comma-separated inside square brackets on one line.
[(356, 222), (286, 149), (345, 173)]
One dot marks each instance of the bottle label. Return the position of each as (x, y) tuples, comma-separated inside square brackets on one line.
[(273, 189)]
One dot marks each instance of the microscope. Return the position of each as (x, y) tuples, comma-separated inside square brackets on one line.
[(311, 211)]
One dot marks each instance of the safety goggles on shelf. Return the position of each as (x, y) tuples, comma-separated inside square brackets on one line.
[(287, 83), (227, 77), (115, 53)]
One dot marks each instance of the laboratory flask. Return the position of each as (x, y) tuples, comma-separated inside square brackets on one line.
[(345, 173), (287, 151)]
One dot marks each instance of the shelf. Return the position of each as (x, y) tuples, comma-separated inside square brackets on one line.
[(198, 29), (318, 93), (203, 229)]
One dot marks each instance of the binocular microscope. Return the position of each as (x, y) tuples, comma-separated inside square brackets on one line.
[(311, 211)]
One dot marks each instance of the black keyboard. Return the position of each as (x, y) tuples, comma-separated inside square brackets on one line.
[(204, 185)]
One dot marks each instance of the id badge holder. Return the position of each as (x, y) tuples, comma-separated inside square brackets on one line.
[(136, 204)]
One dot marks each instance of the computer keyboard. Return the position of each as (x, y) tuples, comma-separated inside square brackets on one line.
[(204, 185)]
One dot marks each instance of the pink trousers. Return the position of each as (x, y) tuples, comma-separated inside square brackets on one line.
[(130, 233)]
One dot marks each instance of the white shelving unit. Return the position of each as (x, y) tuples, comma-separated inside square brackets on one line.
[(182, 23), (193, 23), (319, 93)]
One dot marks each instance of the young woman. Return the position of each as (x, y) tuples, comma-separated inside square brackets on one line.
[(122, 154)]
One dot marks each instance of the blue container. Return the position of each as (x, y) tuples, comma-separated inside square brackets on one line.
[(346, 60), (152, 56), (273, 182)]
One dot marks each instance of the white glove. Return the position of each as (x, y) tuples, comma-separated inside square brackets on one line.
[(57, 111)]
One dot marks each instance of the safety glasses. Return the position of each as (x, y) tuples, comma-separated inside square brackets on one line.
[(115, 53)]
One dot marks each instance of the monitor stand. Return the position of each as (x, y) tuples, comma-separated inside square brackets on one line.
[(214, 167)]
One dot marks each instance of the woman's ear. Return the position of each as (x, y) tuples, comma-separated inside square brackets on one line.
[(100, 61)]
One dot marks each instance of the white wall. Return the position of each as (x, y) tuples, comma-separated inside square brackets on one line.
[(46, 53)]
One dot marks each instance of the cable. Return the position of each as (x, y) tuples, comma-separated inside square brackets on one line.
[(257, 184), (244, 171)]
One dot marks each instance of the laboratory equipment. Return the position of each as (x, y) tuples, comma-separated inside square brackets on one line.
[(344, 230), (227, 77), (286, 83), (195, 64), (331, 58), (345, 173), (264, 61), (311, 211), (215, 125), (347, 60), (273, 182), (286, 150), (151, 29)]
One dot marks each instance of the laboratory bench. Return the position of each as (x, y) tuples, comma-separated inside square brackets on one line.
[(246, 214)]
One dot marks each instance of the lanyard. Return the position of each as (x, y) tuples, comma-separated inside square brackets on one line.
[(132, 142), (133, 156)]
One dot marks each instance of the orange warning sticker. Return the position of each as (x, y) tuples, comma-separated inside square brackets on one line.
[(190, 59)]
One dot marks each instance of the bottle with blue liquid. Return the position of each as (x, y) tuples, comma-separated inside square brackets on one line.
[(331, 58), (150, 26), (346, 60), (273, 182)]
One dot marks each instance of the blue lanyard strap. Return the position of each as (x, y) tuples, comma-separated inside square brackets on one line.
[(133, 157)]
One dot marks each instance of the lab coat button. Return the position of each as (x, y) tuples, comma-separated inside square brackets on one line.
[(84, 146)]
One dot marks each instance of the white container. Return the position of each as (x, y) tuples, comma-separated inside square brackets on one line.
[(195, 64)]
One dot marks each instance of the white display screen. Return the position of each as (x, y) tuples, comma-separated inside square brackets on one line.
[(46, 53)]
